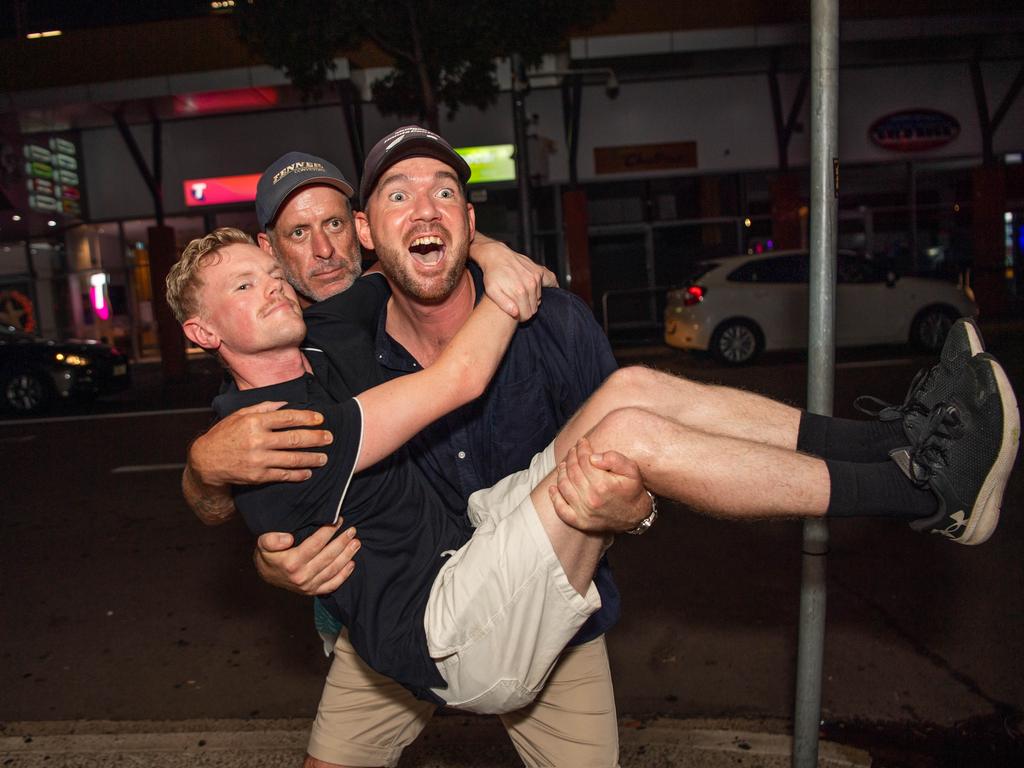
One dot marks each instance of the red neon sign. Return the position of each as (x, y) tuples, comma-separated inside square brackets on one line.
[(225, 101), (219, 190)]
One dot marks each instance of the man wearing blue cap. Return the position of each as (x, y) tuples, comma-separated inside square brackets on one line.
[(552, 367)]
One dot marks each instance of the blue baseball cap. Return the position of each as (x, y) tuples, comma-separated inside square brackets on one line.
[(290, 172)]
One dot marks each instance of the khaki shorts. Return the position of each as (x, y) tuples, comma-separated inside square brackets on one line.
[(501, 609)]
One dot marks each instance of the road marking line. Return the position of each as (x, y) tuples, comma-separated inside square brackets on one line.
[(100, 416), (20, 439), (145, 468), (876, 363)]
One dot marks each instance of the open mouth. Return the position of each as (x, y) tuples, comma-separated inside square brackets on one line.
[(427, 249)]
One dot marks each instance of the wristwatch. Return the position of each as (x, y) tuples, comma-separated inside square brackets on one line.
[(648, 521)]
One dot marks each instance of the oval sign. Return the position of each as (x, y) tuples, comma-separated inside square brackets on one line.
[(914, 130)]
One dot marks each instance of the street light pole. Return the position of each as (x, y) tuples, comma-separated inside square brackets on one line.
[(820, 361), (520, 85)]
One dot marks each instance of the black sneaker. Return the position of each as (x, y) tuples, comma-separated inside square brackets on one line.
[(930, 386), (964, 451)]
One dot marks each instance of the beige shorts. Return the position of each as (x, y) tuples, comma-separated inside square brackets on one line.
[(502, 609)]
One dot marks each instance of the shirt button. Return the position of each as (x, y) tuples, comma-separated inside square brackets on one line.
[(461, 454)]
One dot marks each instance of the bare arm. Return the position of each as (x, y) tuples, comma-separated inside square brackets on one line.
[(392, 413), (511, 280), (398, 409), (257, 444)]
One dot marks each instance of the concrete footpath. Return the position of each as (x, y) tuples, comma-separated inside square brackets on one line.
[(451, 741)]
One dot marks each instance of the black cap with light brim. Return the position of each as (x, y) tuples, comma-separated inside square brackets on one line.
[(287, 174), (408, 141)]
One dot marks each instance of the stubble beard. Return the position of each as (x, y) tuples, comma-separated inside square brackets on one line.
[(303, 284), (395, 263)]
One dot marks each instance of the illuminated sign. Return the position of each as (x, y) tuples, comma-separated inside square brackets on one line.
[(219, 190), (98, 296), (488, 164), (225, 101), (51, 176), (495, 162), (914, 130)]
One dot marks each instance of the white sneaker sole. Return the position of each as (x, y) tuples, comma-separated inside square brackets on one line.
[(985, 514), (973, 338)]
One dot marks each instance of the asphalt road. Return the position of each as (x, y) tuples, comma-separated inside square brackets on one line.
[(117, 605)]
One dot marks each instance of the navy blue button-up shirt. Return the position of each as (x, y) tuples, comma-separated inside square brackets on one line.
[(553, 364)]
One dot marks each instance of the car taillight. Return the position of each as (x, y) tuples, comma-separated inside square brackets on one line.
[(693, 295)]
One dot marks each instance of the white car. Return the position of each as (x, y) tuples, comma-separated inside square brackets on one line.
[(738, 306)]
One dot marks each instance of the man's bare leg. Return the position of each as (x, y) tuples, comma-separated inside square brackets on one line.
[(708, 408), (745, 471), (715, 474), (578, 551)]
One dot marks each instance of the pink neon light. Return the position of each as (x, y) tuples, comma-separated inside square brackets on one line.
[(99, 303), (218, 190), (225, 101)]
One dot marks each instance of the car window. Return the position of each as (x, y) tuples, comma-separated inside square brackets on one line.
[(856, 269), (699, 270), (791, 268)]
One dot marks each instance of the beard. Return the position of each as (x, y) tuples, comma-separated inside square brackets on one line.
[(397, 264), (306, 285)]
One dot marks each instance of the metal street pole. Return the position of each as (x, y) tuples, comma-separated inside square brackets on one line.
[(520, 85), (820, 361)]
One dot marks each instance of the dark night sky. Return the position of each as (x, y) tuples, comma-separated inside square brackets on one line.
[(40, 15)]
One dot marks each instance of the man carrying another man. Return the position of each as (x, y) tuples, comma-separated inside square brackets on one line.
[(732, 453), (554, 363)]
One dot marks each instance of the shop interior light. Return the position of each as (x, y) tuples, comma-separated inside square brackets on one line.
[(15, 217), (47, 33), (51, 223)]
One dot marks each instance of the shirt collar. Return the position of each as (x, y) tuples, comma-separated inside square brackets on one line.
[(297, 390), (391, 354)]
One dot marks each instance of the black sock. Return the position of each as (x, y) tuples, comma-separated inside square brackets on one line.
[(849, 439), (876, 490)]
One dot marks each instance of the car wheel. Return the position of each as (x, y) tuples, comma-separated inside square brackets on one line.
[(25, 392), (736, 342), (929, 329)]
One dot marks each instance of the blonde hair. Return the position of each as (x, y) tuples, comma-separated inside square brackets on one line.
[(183, 281)]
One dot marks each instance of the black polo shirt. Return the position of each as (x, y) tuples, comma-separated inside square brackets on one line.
[(402, 523)]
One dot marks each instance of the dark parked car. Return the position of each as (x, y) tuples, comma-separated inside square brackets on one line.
[(35, 372)]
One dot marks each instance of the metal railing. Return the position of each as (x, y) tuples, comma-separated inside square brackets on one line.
[(654, 320)]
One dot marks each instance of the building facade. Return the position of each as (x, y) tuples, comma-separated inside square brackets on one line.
[(688, 143)]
